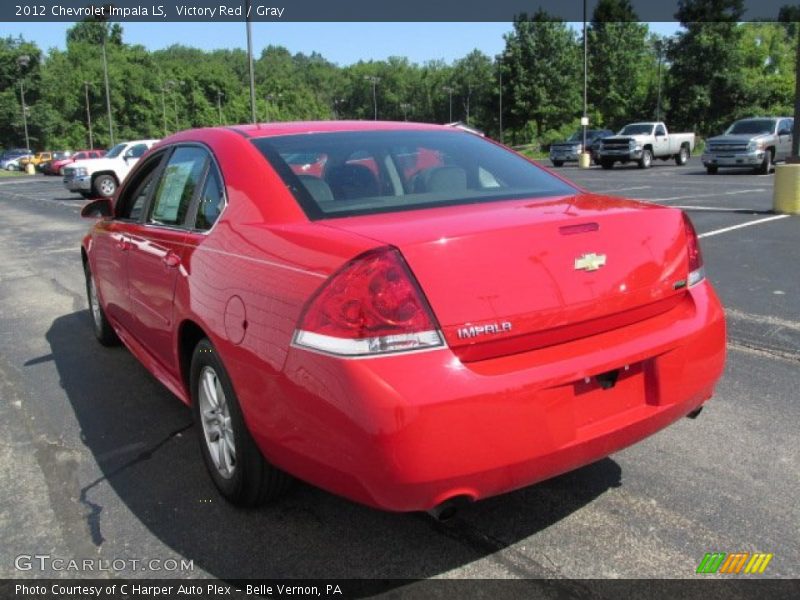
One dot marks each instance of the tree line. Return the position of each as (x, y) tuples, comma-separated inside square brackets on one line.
[(714, 70)]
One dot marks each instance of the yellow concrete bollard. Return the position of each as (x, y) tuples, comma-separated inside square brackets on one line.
[(585, 160), (786, 193), (30, 169)]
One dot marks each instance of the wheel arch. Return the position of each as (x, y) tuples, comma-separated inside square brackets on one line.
[(107, 172), (189, 335)]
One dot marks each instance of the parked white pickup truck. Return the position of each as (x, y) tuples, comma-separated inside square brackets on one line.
[(643, 142), (102, 176)]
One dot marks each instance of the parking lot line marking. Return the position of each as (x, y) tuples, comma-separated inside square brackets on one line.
[(741, 225), (719, 209), (625, 189), (695, 196)]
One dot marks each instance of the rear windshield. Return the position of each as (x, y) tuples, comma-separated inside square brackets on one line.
[(355, 173), (752, 126)]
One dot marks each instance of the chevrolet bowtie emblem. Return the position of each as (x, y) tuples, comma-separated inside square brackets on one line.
[(590, 262)]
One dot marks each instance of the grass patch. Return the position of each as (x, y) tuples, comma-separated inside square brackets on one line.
[(4, 173)]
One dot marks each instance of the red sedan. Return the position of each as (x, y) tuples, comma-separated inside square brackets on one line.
[(426, 318), (54, 166)]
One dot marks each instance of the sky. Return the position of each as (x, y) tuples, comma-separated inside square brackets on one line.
[(341, 43)]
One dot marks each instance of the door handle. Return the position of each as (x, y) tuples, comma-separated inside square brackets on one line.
[(171, 260)]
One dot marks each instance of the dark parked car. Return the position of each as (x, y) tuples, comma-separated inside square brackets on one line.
[(570, 150)]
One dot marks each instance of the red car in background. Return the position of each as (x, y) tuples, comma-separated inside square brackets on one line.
[(54, 167), (419, 317)]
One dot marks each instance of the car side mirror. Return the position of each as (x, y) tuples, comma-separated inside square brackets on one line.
[(785, 132), (98, 209)]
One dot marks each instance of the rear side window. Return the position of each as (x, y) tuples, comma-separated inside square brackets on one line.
[(386, 171), (212, 201), (177, 186)]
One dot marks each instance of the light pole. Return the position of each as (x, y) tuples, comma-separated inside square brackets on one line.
[(88, 114), (164, 106), (250, 64), (108, 87), (23, 62), (660, 52), (406, 108), (374, 81), (585, 119), (501, 103), (219, 106), (449, 91)]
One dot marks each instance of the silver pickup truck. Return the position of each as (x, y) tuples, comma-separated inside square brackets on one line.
[(643, 142), (757, 142)]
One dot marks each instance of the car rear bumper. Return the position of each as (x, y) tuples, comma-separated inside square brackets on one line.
[(410, 431), (78, 184), (749, 159)]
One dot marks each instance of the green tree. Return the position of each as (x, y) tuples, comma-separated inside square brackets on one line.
[(621, 64), (542, 76), (705, 84)]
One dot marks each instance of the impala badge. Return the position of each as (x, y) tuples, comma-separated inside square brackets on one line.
[(590, 262)]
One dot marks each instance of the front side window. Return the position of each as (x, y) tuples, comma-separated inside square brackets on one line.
[(115, 151), (368, 172), (132, 199), (136, 151), (177, 186)]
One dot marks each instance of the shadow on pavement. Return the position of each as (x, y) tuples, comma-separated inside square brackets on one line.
[(142, 439)]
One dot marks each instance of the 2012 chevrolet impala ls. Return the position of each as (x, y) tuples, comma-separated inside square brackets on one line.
[(410, 316)]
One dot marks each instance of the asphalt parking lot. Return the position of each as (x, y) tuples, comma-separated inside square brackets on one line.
[(102, 461)]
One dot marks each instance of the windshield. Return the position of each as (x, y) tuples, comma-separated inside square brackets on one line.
[(116, 150), (370, 172), (752, 126), (637, 129), (576, 137)]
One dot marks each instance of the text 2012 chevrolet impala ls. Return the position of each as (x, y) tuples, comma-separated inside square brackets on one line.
[(407, 315)]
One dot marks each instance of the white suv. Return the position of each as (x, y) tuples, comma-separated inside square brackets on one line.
[(102, 176)]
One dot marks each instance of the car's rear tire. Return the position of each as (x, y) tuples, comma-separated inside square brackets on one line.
[(104, 186), (558, 163), (103, 331), (682, 157), (766, 165), (606, 164), (233, 460), (647, 159), (712, 169)]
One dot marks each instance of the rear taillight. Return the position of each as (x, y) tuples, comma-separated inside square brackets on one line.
[(696, 271), (372, 305)]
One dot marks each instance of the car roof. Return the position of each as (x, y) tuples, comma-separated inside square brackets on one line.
[(260, 130)]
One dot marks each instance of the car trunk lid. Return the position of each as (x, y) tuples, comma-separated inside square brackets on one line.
[(512, 276)]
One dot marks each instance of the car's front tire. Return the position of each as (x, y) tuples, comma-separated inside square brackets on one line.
[(766, 165), (558, 163), (233, 460), (104, 186), (103, 331), (712, 169), (646, 160), (606, 164), (682, 157)]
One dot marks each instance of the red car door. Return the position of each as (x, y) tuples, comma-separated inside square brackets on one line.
[(157, 248), (110, 254), (112, 243)]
